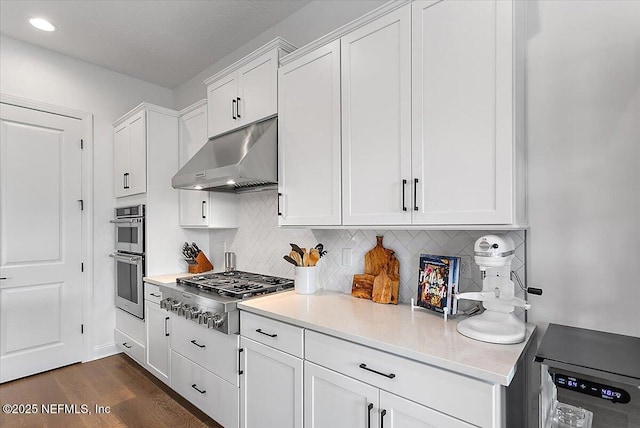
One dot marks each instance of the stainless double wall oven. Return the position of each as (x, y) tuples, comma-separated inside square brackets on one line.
[(129, 223)]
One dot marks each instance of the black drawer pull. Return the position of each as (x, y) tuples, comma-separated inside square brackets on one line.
[(199, 390), (155, 295), (415, 194), (197, 344), (126, 345), (259, 330), (364, 366), (404, 205)]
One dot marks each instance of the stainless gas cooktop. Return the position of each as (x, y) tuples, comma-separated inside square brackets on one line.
[(237, 284)]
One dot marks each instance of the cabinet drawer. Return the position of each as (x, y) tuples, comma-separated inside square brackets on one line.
[(130, 346), (211, 394), (215, 351), (282, 336), (465, 398), (152, 293), (130, 325)]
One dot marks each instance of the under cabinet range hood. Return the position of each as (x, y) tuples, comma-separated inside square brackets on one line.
[(240, 161)]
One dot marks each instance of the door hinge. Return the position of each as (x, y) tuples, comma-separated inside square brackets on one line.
[(81, 204), (81, 328), (81, 267), (81, 144)]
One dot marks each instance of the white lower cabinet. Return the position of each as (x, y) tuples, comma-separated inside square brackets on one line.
[(270, 388), (332, 400), (208, 392), (402, 413), (157, 323)]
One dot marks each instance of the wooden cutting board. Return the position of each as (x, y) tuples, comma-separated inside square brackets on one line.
[(377, 261)]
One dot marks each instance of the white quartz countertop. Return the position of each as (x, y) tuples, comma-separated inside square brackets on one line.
[(418, 335)]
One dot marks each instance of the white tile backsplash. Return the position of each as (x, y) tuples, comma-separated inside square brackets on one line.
[(260, 244)]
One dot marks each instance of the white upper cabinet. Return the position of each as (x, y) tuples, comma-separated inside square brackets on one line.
[(463, 112), (309, 139), (376, 121), (246, 91), (431, 119), (201, 208), (130, 155), (222, 98)]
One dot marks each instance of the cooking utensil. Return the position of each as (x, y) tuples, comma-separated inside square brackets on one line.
[(314, 256), (305, 260), (297, 249), (290, 260), (297, 257)]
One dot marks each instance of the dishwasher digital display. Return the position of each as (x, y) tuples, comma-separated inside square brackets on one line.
[(606, 392)]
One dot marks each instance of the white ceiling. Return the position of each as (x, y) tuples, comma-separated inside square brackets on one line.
[(162, 42)]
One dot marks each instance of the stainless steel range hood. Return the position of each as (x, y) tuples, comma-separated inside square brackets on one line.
[(242, 160)]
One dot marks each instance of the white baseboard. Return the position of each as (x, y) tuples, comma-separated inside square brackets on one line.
[(105, 350)]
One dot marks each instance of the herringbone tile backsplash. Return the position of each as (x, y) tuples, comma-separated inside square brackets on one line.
[(259, 245)]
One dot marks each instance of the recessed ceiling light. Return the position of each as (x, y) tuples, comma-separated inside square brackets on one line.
[(42, 24), (197, 187), (231, 182)]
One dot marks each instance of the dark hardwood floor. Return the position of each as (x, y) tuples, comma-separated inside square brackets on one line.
[(135, 398)]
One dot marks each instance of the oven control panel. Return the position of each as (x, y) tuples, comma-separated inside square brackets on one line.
[(583, 386)]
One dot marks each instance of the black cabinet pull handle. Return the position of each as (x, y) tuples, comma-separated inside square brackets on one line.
[(166, 326), (238, 108), (197, 344), (204, 213), (279, 195), (364, 366), (404, 205), (126, 345), (155, 295), (415, 194), (233, 109), (199, 390), (240, 351), (382, 413), (369, 407), (259, 330)]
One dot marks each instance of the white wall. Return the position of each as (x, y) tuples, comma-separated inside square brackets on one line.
[(583, 135), (307, 24), (39, 74)]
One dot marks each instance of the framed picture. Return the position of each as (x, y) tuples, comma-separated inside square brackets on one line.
[(438, 282)]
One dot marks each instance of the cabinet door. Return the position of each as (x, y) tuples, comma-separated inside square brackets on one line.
[(309, 139), (258, 89), (221, 99), (120, 159), (193, 135), (332, 400), (376, 121), (462, 112), (137, 178), (157, 324), (270, 387), (402, 413)]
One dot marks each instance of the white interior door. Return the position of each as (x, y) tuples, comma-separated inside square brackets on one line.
[(40, 242)]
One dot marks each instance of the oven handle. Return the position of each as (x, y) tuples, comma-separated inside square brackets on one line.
[(126, 220), (126, 257)]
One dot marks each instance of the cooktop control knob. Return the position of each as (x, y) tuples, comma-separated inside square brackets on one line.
[(184, 310), (175, 306), (215, 321), (204, 317), (193, 314)]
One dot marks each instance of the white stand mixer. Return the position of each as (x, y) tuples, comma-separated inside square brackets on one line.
[(497, 324)]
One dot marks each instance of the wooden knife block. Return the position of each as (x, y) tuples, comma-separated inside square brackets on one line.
[(202, 264)]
